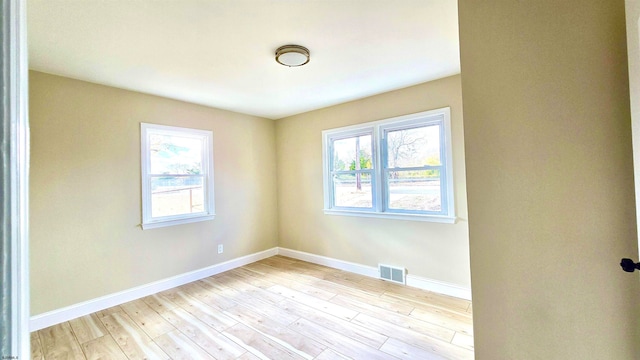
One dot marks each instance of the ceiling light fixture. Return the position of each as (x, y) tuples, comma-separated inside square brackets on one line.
[(292, 55)]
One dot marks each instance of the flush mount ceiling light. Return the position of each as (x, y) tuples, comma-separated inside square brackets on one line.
[(292, 55)]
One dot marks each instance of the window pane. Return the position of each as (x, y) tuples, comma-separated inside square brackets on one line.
[(344, 153), (413, 147), (353, 190), (171, 154), (414, 190), (176, 195)]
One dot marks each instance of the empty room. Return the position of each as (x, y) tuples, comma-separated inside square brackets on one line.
[(164, 154), (284, 179)]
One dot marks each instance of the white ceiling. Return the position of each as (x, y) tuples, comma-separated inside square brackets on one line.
[(220, 53)]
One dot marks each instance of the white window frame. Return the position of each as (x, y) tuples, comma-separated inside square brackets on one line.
[(379, 186), (150, 222)]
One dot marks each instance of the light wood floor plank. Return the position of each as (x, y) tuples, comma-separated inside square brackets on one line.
[(388, 303), (365, 305), (251, 277), (262, 268), (313, 285), (147, 319), (211, 316), (415, 338), (199, 292), (334, 340), (103, 348), (460, 322), (158, 303), (391, 323), (221, 286), (268, 280), (309, 268), (133, 341), (277, 308), (420, 296), (330, 354), (315, 272), (87, 328), (108, 311), (318, 304), (179, 347), (210, 296), (279, 261), (353, 284), (288, 338), (253, 303), (463, 340), (331, 287), (405, 351), (269, 311), (340, 326), (289, 268), (407, 322), (258, 344), (36, 347), (205, 336), (248, 356), (279, 275), (58, 342), (248, 289)]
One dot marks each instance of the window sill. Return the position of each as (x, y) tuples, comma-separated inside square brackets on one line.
[(395, 216), (172, 222)]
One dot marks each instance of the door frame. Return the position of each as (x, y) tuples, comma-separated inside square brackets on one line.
[(14, 143), (632, 10)]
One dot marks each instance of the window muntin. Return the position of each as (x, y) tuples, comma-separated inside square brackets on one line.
[(409, 175), (177, 175)]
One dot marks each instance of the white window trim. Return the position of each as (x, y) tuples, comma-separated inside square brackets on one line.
[(148, 222), (377, 128)]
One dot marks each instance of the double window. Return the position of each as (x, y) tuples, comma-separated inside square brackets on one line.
[(177, 175), (395, 168)]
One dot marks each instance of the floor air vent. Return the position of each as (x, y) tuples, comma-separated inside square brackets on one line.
[(391, 273)]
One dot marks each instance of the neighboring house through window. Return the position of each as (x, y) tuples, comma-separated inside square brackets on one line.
[(177, 175), (395, 168)]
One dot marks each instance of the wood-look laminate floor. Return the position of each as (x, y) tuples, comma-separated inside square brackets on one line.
[(278, 308)]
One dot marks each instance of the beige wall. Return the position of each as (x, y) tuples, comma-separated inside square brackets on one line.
[(430, 250), (86, 240), (549, 179)]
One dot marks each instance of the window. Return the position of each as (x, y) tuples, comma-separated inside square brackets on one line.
[(177, 175), (394, 168)]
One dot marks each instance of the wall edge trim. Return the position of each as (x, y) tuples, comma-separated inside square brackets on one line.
[(437, 286), (67, 313)]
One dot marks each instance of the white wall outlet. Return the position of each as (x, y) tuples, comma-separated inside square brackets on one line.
[(220, 248)]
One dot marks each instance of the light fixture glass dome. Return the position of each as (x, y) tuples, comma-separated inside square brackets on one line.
[(292, 55)]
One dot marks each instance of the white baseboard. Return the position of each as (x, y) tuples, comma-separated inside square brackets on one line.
[(330, 262), (439, 287), (50, 318), (436, 286)]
